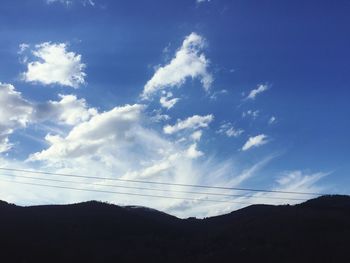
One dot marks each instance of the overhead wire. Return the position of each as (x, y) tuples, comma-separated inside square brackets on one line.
[(152, 189), (126, 193), (164, 183)]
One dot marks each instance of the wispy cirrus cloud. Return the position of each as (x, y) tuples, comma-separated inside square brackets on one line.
[(229, 130), (70, 2), (251, 113), (255, 141), (202, 1), (255, 92), (293, 181)]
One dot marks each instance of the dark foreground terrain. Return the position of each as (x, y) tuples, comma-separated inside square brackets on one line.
[(315, 231)]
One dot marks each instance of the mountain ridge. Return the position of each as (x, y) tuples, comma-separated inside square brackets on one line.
[(316, 230)]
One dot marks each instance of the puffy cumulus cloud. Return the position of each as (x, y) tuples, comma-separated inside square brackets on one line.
[(15, 113), (228, 129), (69, 110), (115, 142), (167, 101), (194, 122), (118, 139), (55, 65), (189, 62), (97, 137), (255, 92), (256, 141), (14, 109)]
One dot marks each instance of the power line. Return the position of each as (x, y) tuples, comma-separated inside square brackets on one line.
[(154, 189), (123, 193), (162, 183)]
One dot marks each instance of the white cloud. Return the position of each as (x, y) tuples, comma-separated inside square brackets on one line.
[(55, 65), (192, 151), (5, 144), (202, 1), (291, 181), (70, 2), (188, 62), (118, 144), (66, 2), (107, 133), (194, 122), (215, 177), (167, 101), (197, 135), (297, 180), (229, 130), (158, 116), (272, 120), (256, 141), (260, 89), (155, 169), (23, 47), (69, 110), (93, 136), (15, 113), (251, 113), (88, 2), (216, 94), (121, 143)]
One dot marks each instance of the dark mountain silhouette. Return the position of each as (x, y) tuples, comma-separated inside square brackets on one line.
[(315, 231)]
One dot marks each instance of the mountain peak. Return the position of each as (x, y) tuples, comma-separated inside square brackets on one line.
[(328, 201)]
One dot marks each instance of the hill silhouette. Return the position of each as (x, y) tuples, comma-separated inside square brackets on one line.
[(315, 231)]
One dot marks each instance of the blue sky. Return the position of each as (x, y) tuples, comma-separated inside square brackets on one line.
[(240, 93)]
